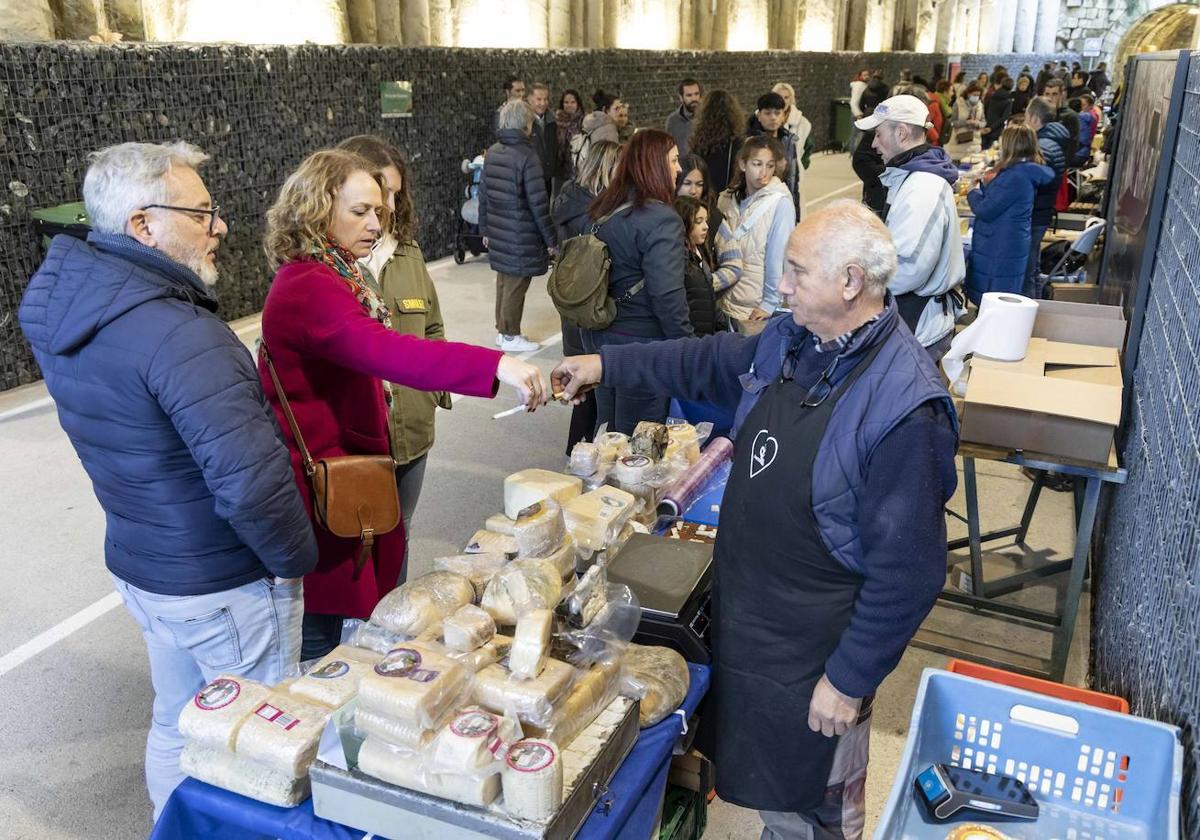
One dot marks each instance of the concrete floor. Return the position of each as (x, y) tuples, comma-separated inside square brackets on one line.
[(74, 687)]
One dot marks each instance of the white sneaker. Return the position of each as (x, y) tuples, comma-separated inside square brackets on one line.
[(499, 339), (517, 344)]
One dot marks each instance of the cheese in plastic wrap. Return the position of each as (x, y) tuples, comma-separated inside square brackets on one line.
[(590, 695), (524, 488), (539, 529), (412, 607), (533, 780), (650, 439), (470, 628), (588, 599), (612, 445), (563, 557), (283, 733), (414, 685), (530, 644), (406, 770), (334, 680), (521, 586), (657, 676), (532, 701), (596, 518), (225, 770), (472, 743), (489, 654), (372, 637), (405, 736), (484, 541), (585, 459), (477, 568), (213, 717)]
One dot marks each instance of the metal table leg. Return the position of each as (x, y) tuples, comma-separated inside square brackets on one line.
[(1070, 610), (1030, 504), (971, 490)]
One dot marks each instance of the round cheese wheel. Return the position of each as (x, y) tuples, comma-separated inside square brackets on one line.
[(532, 780)]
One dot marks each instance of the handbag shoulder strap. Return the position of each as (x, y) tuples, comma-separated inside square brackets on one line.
[(596, 224), (305, 457)]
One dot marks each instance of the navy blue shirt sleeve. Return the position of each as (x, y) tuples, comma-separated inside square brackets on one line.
[(910, 478)]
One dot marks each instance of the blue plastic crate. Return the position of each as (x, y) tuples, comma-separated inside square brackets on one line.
[(1097, 775)]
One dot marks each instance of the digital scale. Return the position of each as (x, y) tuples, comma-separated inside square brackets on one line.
[(672, 580)]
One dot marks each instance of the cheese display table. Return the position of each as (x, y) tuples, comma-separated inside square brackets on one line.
[(628, 809)]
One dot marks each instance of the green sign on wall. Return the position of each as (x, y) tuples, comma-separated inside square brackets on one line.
[(395, 99)]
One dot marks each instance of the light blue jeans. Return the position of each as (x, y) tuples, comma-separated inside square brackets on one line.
[(252, 631)]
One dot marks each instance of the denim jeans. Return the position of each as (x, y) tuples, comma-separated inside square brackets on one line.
[(409, 478), (623, 408), (252, 631)]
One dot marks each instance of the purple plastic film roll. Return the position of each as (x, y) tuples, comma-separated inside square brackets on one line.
[(688, 486)]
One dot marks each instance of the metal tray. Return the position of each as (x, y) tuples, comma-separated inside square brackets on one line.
[(366, 803)]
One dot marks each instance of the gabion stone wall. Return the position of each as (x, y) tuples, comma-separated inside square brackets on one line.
[(973, 65), (259, 110), (1146, 591)]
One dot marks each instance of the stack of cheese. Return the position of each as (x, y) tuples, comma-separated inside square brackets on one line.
[(541, 533), (409, 694), (252, 740)]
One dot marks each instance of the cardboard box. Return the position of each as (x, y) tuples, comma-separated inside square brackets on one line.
[(1064, 398), (1075, 292), (692, 771)]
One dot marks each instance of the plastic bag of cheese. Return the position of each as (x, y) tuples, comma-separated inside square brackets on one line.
[(527, 487), (532, 780), (611, 627), (407, 770), (563, 557), (611, 445), (531, 644), (412, 607), (477, 568), (531, 701), (283, 733), (649, 439), (473, 743), (590, 695), (402, 736), (657, 676), (223, 769), (584, 460), (521, 586), (415, 684), (217, 712), (468, 629), (372, 637), (334, 680), (491, 653)]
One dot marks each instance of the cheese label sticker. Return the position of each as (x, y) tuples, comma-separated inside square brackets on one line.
[(421, 675), (610, 501), (398, 663), (277, 716), (532, 510), (474, 724), (635, 461), (530, 756), (331, 671), (218, 694)]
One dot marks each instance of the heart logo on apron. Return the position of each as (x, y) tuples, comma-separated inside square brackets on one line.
[(763, 453)]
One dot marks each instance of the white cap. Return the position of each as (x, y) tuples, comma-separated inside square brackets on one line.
[(903, 109)]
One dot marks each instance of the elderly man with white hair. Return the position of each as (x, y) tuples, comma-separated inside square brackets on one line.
[(923, 218), (207, 538), (832, 542)]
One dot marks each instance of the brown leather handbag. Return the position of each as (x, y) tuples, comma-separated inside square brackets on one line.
[(354, 496)]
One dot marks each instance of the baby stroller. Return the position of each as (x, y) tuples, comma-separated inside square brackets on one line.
[(468, 237)]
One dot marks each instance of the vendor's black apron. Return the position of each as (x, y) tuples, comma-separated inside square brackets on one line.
[(781, 604)]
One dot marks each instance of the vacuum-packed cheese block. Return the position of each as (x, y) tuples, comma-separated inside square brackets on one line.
[(404, 736), (684, 439), (649, 439), (477, 568), (588, 599), (403, 769), (539, 529), (533, 780), (658, 676), (632, 470), (521, 586), (484, 541), (530, 644), (468, 629), (223, 769), (585, 459), (500, 524), (497, 690), (334, 680), (283, 733), (413, 606), (590, 695), (372, 637), (414, 684), (213, 717), (612, 445), (491, 653), (472, 741), (527, 487), (562, 557), (596, 518)]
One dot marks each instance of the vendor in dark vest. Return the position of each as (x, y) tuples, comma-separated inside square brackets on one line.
[(832, 542)]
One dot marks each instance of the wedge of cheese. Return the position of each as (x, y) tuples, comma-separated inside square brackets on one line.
[(531, 644), (539, 529), (527, 487), (596, 518)]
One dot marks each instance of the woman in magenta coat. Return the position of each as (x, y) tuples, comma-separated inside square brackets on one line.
[(335, 354)]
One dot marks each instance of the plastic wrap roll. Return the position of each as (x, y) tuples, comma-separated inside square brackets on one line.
[(213, 717), (685, 491), (334, 680), (225, 770), (283, 734), (533, 780), (468, 629), (414, 606)]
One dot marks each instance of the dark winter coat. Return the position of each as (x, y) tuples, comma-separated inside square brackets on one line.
[(514, 209), (570, 211), (1052, 140), (722, 163), (701, 298), (1003, 219), (545, 140), (996, 112), (868, 166), (1070, 120), (164, 408)]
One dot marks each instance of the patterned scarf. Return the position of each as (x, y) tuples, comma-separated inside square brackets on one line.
[(333, 255)]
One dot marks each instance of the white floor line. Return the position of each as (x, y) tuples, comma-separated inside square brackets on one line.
[(58, 632), (33, 405), (829, 195)]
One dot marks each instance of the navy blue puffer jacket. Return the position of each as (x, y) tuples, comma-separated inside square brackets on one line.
[(164, 408), (1053, 139), (1003, 220), (514, 210)]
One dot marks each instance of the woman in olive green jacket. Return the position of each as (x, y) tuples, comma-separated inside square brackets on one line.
[(397, 267)]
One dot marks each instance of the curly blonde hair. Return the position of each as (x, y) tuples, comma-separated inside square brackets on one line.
[(299, 220)]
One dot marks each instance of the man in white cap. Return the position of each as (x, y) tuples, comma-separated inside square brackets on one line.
[(923, 220)]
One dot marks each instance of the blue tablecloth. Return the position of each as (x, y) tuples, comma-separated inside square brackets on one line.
[(199, 810)]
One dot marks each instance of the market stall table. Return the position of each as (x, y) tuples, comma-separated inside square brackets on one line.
[(630, 808)]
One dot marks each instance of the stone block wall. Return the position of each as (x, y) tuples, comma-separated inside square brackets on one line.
[(259, 110)]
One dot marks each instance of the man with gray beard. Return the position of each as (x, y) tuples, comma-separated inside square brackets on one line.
[(206, 536)]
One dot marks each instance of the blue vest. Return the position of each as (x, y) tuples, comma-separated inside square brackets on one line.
[(901, 378)]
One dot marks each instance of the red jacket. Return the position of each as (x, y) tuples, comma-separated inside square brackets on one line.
[(330, 356), (935, 116)]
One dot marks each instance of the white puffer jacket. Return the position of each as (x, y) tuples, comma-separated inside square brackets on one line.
[(751, 225)]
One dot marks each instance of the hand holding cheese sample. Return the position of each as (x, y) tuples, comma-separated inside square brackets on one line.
[(574, 376)]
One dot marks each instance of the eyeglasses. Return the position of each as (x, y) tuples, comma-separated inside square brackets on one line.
[(213, 214), (822, 388)]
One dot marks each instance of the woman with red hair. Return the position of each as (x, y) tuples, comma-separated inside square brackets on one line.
[(634, 217)]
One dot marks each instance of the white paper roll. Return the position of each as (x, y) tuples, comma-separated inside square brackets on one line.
[(1001, 332)]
